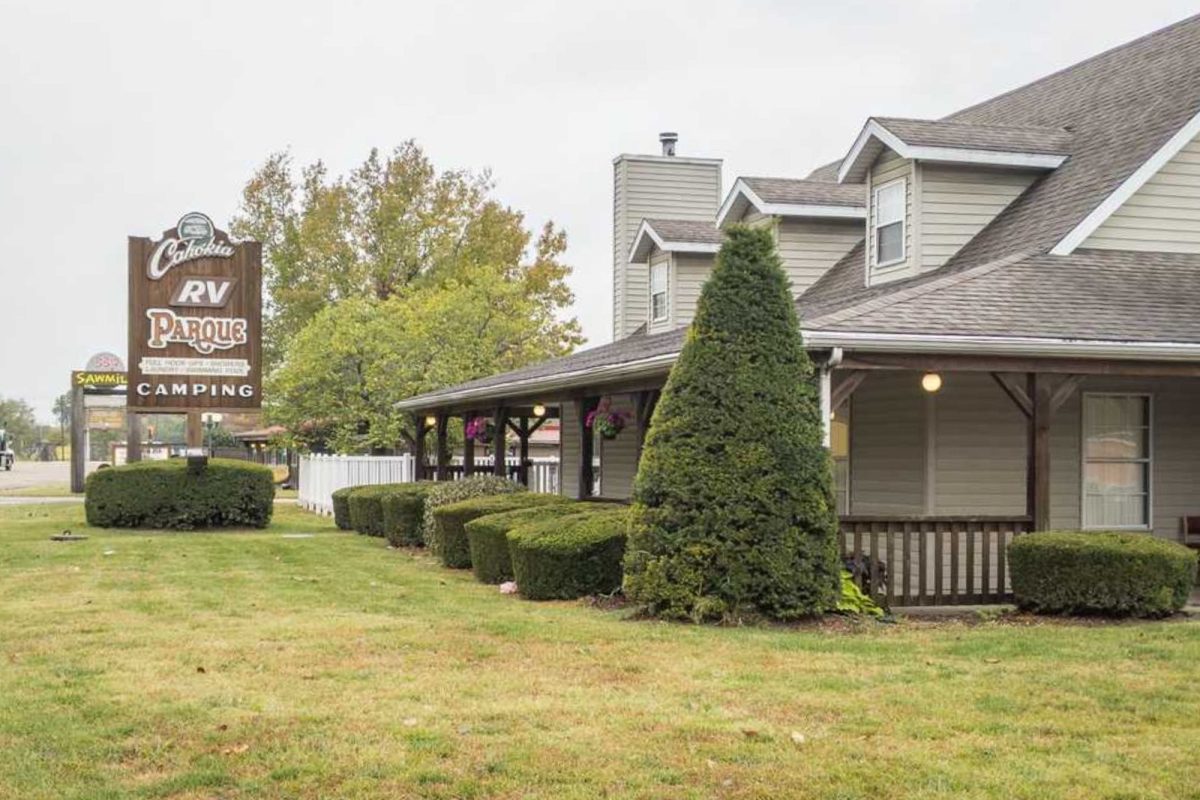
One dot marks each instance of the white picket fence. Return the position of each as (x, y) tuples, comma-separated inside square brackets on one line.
[(322, 475)]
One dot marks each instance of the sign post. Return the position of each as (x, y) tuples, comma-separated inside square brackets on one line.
[(195, 325), (85, 383)]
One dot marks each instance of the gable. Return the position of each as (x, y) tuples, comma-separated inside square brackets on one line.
[(1161, 216), (956, 203)]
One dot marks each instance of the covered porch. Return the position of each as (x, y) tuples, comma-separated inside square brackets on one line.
[(931, 481)]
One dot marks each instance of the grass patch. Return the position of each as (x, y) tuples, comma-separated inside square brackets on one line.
[(43, 490), (243, 664)]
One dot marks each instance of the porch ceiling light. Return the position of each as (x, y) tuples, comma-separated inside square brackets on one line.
[(931, 382), (431, 420), (539, 410)]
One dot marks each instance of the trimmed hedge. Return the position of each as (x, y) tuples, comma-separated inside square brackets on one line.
[(445, 493), (404, 514), (562, 559), (1115, 574), (733, 513), (487, 539), (341, 508), (165, 494), (366, 507), (453, 545)]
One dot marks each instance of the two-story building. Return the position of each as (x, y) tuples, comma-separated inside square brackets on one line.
[(1003, 304)]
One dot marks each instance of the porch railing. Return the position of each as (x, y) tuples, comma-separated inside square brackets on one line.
[(917, 561)]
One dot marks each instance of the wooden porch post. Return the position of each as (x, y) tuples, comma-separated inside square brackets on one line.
[(419, 446), (1038, 473), (583, 407), (500, 423), (523, 438), (468, 449), (644, 403), (443, 448)]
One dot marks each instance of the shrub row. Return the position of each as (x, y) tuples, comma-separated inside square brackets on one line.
[(487, 538), (1115, 574), (341, 508), (453, 547), (166, 494), (574, 556), (443, 494)]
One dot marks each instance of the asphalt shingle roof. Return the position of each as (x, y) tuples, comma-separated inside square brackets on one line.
[(973, 136), (807, 192), (683, 230)]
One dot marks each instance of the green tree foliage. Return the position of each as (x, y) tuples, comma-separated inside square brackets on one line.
[(16, 417), (733, 511), (392, 224)]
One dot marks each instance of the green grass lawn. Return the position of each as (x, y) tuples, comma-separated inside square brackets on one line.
[(248, 665)]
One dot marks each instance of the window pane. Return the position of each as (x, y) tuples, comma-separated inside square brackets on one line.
[(658, 306), (1114, 478), (890, 243), (658, 278), (1117, 427), (889, 202), (1115, 510)]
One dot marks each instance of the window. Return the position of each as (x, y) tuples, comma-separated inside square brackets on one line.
[(889, 223), (658, 291), (1116, 461)]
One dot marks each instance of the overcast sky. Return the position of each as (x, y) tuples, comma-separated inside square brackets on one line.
[(117, 117)]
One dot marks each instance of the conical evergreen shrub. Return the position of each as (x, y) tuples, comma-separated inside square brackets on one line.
[(733, 514)]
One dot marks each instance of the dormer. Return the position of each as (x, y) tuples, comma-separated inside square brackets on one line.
[(679, 256), (931, 186), (814, 222)]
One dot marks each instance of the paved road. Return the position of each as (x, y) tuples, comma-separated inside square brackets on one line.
[(36, 473)]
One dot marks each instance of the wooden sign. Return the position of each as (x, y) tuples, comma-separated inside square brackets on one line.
[(195, 320)]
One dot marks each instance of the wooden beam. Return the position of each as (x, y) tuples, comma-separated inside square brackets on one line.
[(583, 407), (844, 389), (1070, 366), (468, 448), (499, 440), (644, 403), (1064, 390), (1038, 475), (523, 453), (1015, 392), (443, 448), (419, 446), (537, 423)]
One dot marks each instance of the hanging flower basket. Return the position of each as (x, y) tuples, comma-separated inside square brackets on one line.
[(481, 429), (605, 421)]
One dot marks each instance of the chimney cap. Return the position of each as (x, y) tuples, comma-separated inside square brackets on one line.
[(668, 139)]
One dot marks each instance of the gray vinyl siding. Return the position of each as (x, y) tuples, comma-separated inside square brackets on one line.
[(690, 271), (957, 202), (756, 219), (809, 248), (568, 463), (660, 257), (649, 187), (618, 457), (1163, 215), (978, 458), (888, 168), (887, 446)]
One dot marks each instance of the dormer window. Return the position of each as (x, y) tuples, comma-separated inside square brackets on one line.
[(889, 223), (658, 292)]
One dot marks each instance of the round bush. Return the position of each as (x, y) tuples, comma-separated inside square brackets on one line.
[(366, 507), (447, 492), (576, 556), (1115, 574), (341, 508), (404, 513), (487, 536), (167, 494), (733, 511), (453, 546)]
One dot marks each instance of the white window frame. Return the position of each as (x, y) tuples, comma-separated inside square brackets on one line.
[(902, 222), (1148, 461), (666, 291)]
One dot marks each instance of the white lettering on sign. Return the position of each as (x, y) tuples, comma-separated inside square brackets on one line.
[(195, 237), (170, 253), (219, 390), (213, 367), (202, 334), (204, 292)]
